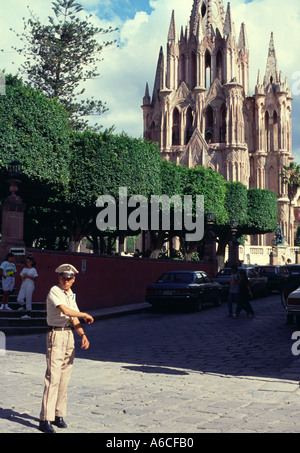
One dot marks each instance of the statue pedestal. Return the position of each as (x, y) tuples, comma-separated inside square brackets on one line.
[(277, 254), (12, 228)]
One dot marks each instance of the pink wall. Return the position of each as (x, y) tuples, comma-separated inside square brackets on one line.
[(107, 281)]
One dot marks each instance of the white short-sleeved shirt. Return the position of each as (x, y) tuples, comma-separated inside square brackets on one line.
[(57, 296), (31, 272)]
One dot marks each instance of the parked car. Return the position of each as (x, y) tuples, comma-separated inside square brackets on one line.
[(257, 282), (294, 269), (290, 299), (190, 289), (277, 276)]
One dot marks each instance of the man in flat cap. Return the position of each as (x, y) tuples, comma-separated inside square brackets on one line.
[(62, 315)]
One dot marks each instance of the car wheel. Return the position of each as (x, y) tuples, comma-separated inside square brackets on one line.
[(218, 302), (289, 319), (198, 305)]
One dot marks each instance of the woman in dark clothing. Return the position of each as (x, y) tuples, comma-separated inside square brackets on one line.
[(244, 296)]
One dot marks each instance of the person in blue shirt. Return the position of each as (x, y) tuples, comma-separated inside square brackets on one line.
[(7, 272)]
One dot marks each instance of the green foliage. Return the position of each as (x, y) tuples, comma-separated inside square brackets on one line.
[(180, 180), (34, 130), (291, 177), (173, 178), (236, 203), (206, 182), (102, 163), (262, 211)]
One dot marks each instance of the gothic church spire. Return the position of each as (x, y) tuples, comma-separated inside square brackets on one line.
[(271, 74)]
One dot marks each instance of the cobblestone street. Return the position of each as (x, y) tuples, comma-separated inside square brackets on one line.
[(166, 373)]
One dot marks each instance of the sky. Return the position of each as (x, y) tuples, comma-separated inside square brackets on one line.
[(143, 28)]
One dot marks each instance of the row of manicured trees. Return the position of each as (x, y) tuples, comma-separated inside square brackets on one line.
[(255, 210), (65, 172)]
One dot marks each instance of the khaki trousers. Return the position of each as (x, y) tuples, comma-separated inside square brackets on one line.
[(60, 357)]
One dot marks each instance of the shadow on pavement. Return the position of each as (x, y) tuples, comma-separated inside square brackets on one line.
[(174, 343), (16, 417)]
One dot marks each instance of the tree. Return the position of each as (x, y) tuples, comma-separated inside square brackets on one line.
[(61, 55), (291, 177), (34, 130), (101, 164), (236, 202), (262, 214)]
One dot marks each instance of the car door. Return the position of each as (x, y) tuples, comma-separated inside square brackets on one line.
[(261, 282), (210, 288), (201, 287), (254, 282)]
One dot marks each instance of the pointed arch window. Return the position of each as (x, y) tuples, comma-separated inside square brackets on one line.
[(275, 131), (222, 123), (193, 69), (219, 61), (209, 124), (182, 68), (267, 131), (207, 70), (153, 132), (176, 128), (189, 125)]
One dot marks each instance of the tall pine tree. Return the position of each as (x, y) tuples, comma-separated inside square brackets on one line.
[(61, 55)]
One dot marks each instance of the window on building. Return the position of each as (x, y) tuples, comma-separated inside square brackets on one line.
[(182, 68), (219, 61), (189, 125), (193, 69), (209, 124), (176, 128), (207, 70)]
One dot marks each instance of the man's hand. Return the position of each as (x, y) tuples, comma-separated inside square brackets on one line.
[(85, 344), (88, 318)]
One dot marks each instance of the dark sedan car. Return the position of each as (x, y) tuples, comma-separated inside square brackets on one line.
[(257, 282), (277, 276), (190, 289)]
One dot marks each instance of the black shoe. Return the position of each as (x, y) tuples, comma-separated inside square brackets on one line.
[(59, 422), (46, 427)]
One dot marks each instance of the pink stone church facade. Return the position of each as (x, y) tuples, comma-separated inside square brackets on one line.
[(201, 112)]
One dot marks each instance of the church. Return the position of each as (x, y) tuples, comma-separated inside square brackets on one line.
[(201, 111)]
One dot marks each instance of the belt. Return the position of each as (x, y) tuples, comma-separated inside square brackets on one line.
[(50, 328)]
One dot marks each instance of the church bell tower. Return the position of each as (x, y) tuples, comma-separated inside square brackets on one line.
[(201, 111)]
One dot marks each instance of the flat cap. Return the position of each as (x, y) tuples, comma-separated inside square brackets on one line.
[(67, 270)]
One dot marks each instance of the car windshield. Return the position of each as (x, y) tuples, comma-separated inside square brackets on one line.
[(224, 273), (176, 278), (268, 270)]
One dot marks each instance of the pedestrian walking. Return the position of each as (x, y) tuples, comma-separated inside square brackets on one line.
[(245, 294), (29, 276), (7, 271), (233, 295), (62, 315)]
